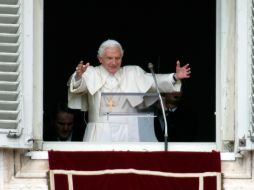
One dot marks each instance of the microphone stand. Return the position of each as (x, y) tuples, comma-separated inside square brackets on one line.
[(150, 66)]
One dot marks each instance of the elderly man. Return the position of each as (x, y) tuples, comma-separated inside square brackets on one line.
[(88, 83)]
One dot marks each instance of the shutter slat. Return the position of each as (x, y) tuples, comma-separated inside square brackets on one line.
[(9, 19), (8, 96), (9, 9), (8, 124), (9, 86), (11, 66), (8, 57), (8, 115), (9, 28), (9, 48), (9, 38), (9, 76), (9, 2), (9, 105)]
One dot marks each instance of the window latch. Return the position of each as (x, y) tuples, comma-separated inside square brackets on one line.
[(15, 134)]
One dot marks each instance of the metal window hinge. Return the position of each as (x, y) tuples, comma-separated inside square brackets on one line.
[(15, 134), (242, 142), (251, 136)]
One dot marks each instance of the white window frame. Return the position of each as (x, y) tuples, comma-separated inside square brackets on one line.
[(232, 87)]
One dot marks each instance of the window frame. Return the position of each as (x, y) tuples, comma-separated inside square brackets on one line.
[(130, 146), (222, 98)]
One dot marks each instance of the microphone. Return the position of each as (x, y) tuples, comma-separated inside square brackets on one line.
[(150, 66)]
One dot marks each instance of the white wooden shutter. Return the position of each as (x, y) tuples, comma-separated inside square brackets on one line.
[(15, 130), (244, 75), (252, 76)]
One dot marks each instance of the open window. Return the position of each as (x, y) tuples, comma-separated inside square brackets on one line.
[(225, 121), (153, 32)]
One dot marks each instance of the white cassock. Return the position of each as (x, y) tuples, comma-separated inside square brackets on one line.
[(85, 94)]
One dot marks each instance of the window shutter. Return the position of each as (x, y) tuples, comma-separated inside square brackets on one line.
[(252, 74), (245, 74), (14, 132)]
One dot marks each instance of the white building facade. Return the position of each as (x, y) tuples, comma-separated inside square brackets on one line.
[(23, 154)]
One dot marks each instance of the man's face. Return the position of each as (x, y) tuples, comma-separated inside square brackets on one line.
[(111, 60), (64, 124)]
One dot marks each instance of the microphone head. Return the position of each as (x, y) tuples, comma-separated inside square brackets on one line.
[(150, 65)]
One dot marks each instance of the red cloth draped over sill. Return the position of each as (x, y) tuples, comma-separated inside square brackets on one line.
[(131, 170)]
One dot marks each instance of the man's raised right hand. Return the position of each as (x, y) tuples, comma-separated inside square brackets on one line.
[(80, 69)]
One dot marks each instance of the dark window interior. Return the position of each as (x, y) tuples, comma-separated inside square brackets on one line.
[(158, 31)]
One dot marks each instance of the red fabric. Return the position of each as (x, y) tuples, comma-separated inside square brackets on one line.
[(164, 161), (134, 182)]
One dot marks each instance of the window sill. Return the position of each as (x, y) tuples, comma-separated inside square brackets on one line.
[(143, 146)]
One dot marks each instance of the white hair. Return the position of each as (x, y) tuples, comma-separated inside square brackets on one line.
[(109, 44)]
